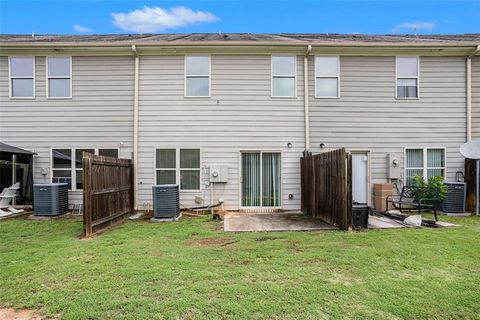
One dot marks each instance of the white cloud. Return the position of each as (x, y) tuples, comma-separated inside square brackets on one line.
[(414, 26), (156, 19), (82, 29)]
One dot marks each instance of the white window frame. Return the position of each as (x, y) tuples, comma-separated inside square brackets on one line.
[(295, 94), (197, 75), (73, 169), (240, 178), (10, 85), (48, 77), (425, 162), (317, 77), (177, 168), (410, 77)]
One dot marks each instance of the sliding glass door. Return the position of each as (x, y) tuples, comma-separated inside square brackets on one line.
[(261, 179)]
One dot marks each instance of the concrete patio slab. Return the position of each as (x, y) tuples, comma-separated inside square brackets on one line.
[(375, 222), (280, 221)]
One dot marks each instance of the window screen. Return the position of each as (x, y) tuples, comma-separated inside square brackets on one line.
[(283, 76), (190, 169), (178, 166), (22, 77), (197, 76), (326, 77), (59, 77), (407, 77), (166, 164)]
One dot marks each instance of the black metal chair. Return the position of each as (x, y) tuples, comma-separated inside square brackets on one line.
[(408, 200)]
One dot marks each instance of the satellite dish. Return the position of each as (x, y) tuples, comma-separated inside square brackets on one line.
[(471, 150)]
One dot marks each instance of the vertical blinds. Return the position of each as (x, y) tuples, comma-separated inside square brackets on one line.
[(251, 179), (271, 179), (261, 173)]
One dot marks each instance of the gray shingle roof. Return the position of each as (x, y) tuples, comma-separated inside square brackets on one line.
[(243, 37)]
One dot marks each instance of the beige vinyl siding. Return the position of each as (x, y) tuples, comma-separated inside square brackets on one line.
[(368, 117), (99, 115), (239, 115), (475, 97)]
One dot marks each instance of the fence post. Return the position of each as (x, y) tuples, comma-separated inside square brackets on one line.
[(349, 197), (132, 189), (87, 210)]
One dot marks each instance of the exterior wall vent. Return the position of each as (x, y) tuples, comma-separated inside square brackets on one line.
[(455, 200), (166, 201), (50, 199)]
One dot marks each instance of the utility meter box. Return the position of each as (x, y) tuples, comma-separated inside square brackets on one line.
[(218, 173), (394, 168)]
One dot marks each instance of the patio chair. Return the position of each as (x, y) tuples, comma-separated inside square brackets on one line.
[(6, 198)]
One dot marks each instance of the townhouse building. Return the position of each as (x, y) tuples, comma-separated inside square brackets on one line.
[(249, 105)]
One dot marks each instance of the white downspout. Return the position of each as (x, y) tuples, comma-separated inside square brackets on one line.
[(306, 98), (468, 84), (135, 127)]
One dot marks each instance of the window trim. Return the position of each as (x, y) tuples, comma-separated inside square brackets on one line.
[(337, 77), (177, 167), (411, 77), (185, 76), (295, 93), (10, 86), (425, 161), (48, 77), (72, 168), (282, 177)]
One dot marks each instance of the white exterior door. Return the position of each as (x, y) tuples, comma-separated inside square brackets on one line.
[(360, 177)]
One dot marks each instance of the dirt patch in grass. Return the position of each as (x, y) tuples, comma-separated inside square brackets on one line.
[(12, 314), (314, 261), (261, 239), (213, 242)]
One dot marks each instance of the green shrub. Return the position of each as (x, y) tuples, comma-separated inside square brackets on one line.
[(430, 189)]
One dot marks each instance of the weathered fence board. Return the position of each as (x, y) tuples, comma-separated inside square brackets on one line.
[(470, 179), (107, 191), (326, 187)]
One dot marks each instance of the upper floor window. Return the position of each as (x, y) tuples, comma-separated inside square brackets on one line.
[(284, 71), (22, 77), (407, 77), (59, 77), (197, 76), (327, 82)]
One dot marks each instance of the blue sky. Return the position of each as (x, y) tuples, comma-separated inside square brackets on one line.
[(372, 17)]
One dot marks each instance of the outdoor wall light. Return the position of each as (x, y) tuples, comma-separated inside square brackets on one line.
[(322, 145), (289, 145)]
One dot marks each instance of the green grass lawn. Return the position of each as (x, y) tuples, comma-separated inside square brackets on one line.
[(193, 270)]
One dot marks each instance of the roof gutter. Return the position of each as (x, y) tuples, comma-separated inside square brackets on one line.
[(468, 85), (135, 126), (237, 43), (305, 99)]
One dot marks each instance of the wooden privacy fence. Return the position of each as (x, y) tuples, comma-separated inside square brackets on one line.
[(107, 191), (471, 180), (326, 187)]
